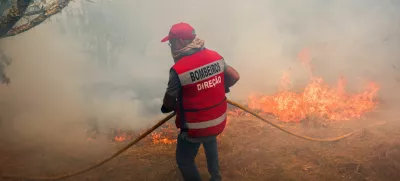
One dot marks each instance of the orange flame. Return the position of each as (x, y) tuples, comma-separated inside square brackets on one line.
[(123, 136), (120, 138), (317, 99), (166, 135)]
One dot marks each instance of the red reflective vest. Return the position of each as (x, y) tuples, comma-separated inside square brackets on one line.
[(202, 106)]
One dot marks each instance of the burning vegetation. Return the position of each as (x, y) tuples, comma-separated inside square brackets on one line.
[(122, 135), (318, 100), (164, 135), (318, 103)]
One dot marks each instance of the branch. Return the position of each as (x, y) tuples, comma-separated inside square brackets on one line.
[(43, 14), (15, 13)]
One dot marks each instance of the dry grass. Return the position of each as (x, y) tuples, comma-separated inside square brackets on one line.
[(249, 150)]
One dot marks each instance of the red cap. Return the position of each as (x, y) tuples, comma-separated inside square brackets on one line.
[(180, 31)]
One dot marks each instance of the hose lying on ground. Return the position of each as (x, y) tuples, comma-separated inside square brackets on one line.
[(294, 134), (161, 123), (58, 177)]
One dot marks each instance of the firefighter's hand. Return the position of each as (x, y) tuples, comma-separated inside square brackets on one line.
[(227, 90), (165, 110)]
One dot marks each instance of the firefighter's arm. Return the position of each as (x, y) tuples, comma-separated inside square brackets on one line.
[(231, 77), (169, 101)]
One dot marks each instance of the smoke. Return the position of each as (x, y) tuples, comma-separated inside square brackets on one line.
[(344, 38), (57, 84), (261, 39), (45, 75)]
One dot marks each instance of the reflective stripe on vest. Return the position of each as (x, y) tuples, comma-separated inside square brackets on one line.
[(202, 73), (207, 124)]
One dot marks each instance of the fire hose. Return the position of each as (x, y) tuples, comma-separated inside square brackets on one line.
[(161, 122)]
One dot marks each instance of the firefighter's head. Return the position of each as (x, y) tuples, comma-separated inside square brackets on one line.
[(180, 35)]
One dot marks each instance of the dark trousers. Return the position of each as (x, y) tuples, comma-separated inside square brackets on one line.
[(186, 152)]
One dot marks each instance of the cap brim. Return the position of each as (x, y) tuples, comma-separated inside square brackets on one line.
[(165, 39)]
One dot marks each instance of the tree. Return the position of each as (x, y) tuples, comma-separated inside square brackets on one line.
[(19, 16), (101, 36)]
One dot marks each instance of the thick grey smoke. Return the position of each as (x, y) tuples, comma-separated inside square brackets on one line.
[(60, 77)]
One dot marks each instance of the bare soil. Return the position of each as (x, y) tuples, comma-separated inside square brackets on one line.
[(249, 150)]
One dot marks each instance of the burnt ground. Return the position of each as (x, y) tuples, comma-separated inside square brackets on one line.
[(249, 150)]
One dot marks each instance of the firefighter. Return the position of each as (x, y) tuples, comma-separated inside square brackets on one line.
[(198, 82)]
